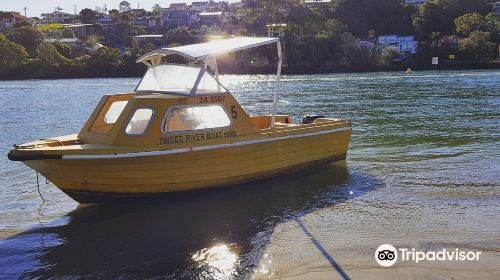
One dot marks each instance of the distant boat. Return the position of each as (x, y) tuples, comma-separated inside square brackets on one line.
[(408, 71)]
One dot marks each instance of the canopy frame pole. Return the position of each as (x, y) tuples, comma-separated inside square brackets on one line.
[(212, 62), (217, 73), (278, 76)]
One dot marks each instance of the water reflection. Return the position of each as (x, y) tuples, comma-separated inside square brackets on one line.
[(215, 234)]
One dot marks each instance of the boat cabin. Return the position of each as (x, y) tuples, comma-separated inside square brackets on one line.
[(176, 103)]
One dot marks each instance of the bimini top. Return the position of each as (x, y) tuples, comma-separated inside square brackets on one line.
[(205, 50)]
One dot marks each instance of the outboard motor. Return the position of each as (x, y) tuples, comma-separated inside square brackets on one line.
[(311, 119)]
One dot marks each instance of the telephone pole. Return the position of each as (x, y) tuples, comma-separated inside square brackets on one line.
[(25, 8), (75, 9)]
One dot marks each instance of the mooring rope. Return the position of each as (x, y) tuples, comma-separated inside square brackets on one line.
[(38, 187)]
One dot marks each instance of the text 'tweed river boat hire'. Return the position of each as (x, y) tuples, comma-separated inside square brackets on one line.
[(181, 130)]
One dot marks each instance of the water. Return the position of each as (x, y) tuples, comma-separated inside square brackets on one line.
[(422, 171)]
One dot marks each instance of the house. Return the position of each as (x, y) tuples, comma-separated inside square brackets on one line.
[(403, 44), (109, 25), (496, 7), (139, 13), (178, 7), (199, 6), (147, 22), (449, 41), (178, 18), (236, 5), (57, 17), (416, 2), (366, 44), (74, 43), (317, 3), (34, 20), (8, 19), (80, 30), (214, 6), (154, 39), (210, 18)]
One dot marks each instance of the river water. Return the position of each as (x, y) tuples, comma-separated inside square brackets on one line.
[(423, 171)]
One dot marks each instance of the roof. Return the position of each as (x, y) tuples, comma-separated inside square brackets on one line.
[(15, 15), (210, 14), (149, 36), (204, 50), (62, 40)]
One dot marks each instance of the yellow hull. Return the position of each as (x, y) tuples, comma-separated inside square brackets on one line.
[(219, 165)]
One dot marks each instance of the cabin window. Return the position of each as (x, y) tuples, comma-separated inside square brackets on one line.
[(171, 78), (139, 122), (114, 112), (196, 118)]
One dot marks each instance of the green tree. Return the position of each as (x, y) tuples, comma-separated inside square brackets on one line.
[(332, 29), (156, 10), (470, 22), (389, 56), (27, 36), (439, 16), (63, 49), (124, 7), (493, 26), (12, 55), (49, 56), (477, 45), (104, 62), (383, 16), (67, 33), (87, 15)]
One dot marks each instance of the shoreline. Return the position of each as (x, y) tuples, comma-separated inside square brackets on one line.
[(289, 73)]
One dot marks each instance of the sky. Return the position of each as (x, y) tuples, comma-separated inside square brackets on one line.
[(36, 7)]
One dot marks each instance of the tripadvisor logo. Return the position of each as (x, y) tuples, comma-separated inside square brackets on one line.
[(386, 255)]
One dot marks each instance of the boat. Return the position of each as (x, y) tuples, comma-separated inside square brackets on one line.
[(181, 130)]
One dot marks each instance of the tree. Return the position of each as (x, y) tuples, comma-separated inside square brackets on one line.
[(63, 49), (105, 61), (439, 16), (87, 15), (478, 45), (389, 55), (114, 14), (156, 10), (67, 33), (124, 6), (470, 22), (383, 16), (27, 36), (12, 55), (49, 56)]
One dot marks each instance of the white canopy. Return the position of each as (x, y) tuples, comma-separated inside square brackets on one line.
[(205, 50)]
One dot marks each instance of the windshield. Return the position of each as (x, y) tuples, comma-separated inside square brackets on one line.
[(172, 78)]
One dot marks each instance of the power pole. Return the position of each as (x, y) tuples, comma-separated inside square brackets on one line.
[(75, 9), (25, 8)]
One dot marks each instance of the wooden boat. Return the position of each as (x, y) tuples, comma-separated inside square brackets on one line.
[(181, 129)]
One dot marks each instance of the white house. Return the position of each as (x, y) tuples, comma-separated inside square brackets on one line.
[(403, 44), (57, 17)]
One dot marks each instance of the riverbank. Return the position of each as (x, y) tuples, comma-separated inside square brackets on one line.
[(136, 71)]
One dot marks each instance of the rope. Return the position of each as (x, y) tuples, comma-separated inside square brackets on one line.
[(38, 187)]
